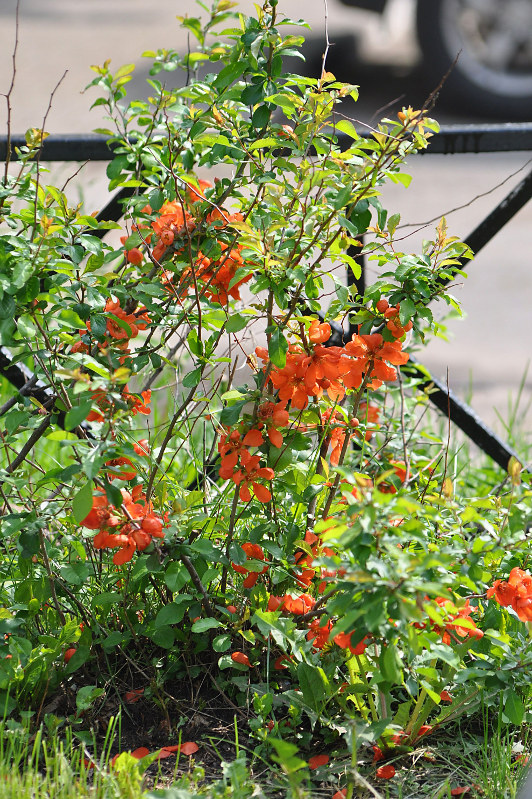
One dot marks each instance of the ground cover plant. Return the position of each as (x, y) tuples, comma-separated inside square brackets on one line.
[(225, 506)]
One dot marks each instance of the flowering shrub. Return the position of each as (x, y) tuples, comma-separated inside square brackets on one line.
[(225, 468)]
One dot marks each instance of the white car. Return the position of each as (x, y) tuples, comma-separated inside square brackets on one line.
[(493, 42)]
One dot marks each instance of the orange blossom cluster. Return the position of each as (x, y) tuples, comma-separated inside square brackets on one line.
[(515, 593), (134, 522)]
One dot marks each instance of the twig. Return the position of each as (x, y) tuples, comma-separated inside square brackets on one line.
[(30, 443), (187, 563), (8, 96)]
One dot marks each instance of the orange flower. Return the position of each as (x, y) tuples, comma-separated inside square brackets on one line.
[(101, 514), (197, 193), (299, 605), (393, 322), (253, 552), (219, 275), (274, 415), (188, 748), (319, 635), (138, 403), (343, 640), (517, 593), (290, 380), (371, 351), (274, 603), (453, 630), (279, 663), (249, 475)]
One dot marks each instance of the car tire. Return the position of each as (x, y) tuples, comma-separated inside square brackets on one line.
[(493, 73)]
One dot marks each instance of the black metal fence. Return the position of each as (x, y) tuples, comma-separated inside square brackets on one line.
[(455, 139)]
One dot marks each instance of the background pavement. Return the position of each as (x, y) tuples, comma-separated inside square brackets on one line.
[(491, 349)]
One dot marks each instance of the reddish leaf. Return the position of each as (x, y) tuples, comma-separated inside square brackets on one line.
[(386, 772), (239, 657), (188, 748), (141, 752), (317, 760), (130, 697), (460, 791)]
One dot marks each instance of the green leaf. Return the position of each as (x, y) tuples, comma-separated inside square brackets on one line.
[(170, 614), (82, 502), (77, 414), (176, 576), (221, 643), (341, 198), (228, 75), (314, 684), (87, 695), (390, 665), (347, 127), (360, 217), (236, 322), (202, 625), (156, 199), (278, 348), (75, 573), (231, 413), (163, 637), (513, 708), (192, 379), (207, 550), (261, 117)]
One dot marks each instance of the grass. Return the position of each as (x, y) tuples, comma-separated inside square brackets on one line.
[(52, 766)]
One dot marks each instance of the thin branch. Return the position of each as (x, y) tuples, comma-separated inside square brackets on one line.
[(9, 93), (187, 563), (32, 440)]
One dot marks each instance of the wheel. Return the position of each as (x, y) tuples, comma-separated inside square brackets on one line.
[(493, 74)]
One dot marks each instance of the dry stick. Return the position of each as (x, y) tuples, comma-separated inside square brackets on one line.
[(318, 609), (30, 443), (327, 42), (446, 459), (39, 152), (325, 441), (403, 431), (170, 354), (168, 436), (8, 98), (230, 533)]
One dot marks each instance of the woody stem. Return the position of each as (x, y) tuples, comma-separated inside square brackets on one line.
[(229, 541)]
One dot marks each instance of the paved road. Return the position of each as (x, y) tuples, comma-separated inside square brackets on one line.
[(491, 349)]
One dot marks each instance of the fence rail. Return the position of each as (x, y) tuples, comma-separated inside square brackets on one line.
[(451, 140)]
